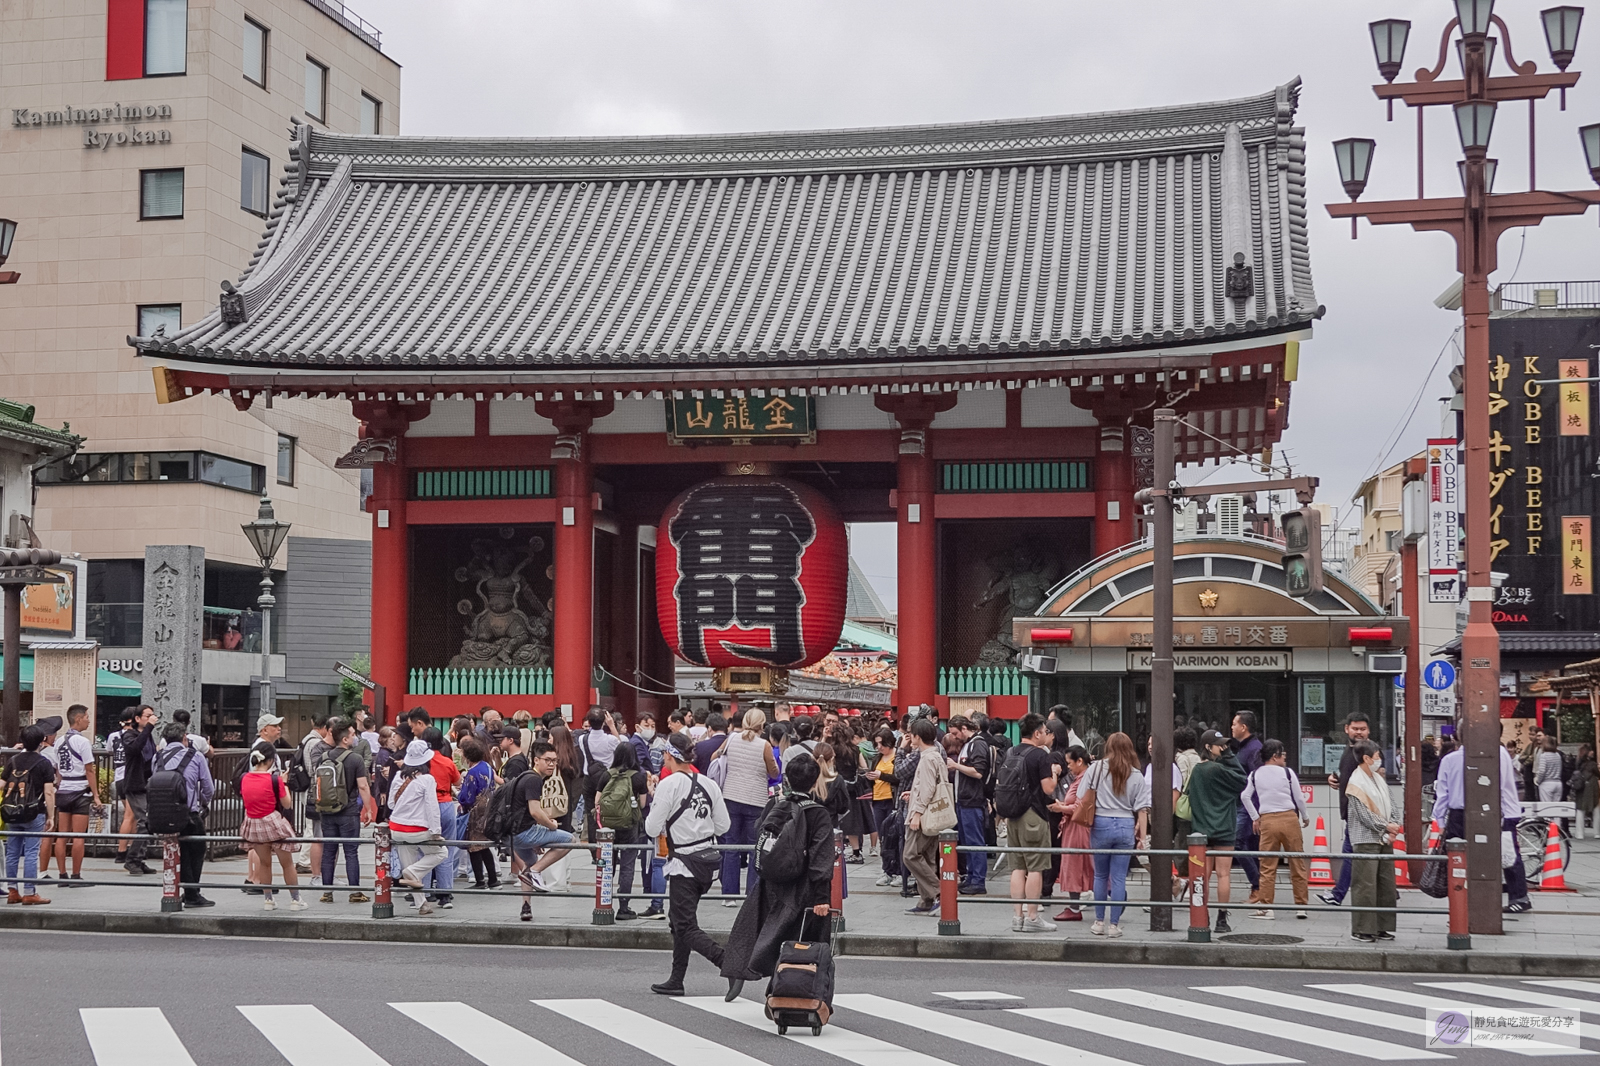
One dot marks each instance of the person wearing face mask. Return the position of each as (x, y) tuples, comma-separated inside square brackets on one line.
[(1374, 823)]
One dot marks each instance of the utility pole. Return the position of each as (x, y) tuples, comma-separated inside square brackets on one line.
[(1161, 680)]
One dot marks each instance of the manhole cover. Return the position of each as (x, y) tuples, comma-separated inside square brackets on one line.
[(973, 1004), (1261, 938)]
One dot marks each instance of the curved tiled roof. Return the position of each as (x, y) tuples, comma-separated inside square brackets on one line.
[(1100, 233)]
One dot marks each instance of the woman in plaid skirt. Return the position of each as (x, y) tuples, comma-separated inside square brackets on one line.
[(266, 830)]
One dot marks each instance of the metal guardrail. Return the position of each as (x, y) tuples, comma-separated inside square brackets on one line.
[(1545, 295), (351, 21)]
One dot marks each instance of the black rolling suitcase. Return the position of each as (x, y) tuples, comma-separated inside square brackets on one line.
[(800, 992)]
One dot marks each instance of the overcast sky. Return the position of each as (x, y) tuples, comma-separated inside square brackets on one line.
[(525, 68)]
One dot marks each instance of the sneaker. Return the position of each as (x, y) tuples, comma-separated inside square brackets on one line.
[(527, 911), (360, 897), (535, 882), (923, 911), (1385, 936), (199, 901), (855, 858), (1113, 931), (730, 903), (302, 867), (425, 909), (625, 915), (268, 905), (298, 904), (1364, 938), (132, 868), (1301, 914), (1016, 925), (1098, 929), (144, 869), (885, 881), (1263, 916), (1329, 898), (1222, 922), (1038, 925), (1519, 906), (1069, 915), (654, 914), (447, 904), (326, 897), (973, 890)]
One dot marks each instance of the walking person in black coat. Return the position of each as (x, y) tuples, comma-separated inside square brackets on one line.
[(774, 912)]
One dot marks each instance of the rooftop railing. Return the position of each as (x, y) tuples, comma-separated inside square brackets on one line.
[(351, 21), (1546, 295)]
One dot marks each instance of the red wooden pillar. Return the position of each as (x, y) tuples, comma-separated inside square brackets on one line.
[(1113, 490), (386, 424), (917, 547), (574, 550)]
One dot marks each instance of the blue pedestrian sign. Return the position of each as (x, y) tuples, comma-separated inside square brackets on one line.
[(1439, 675)]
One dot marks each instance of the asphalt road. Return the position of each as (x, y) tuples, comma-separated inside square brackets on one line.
[(77, 999)]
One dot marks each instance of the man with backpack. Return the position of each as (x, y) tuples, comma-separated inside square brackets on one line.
[(26, 785), (973, 767), (687, 815), (343, 800), (179, 790), (596, 745), (1024, 789)]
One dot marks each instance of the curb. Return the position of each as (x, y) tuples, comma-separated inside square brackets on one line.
[(657, 938)]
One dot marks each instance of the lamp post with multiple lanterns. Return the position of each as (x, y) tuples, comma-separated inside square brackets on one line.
[(1476, 219)]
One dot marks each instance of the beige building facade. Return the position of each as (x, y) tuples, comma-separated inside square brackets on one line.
[(142, 145)]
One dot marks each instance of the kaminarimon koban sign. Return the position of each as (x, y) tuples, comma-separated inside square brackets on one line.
[(1281, 659)]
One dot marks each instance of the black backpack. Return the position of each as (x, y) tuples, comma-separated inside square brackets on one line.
[(168, 795), (780, 855), (20, 802), (1011, 795), (503, 820), (298, 775)]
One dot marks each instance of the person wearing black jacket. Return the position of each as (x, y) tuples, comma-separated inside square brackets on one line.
[(1246, 747), (138, 749), (971, 767)]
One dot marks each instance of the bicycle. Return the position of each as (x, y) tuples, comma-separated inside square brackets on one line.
[(1532, 835)]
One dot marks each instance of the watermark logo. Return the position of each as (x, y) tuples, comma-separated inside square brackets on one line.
[(1535, 1029)]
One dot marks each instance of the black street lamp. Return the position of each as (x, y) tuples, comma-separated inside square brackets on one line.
[(266, 536)]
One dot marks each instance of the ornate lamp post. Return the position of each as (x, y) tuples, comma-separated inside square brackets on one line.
[(1476, 219), (266, 535)]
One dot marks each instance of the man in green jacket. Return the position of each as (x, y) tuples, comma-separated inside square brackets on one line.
[(1214, 789)]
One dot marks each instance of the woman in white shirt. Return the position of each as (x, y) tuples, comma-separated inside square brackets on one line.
[(750, 762), (414, 819), (1277, 811)]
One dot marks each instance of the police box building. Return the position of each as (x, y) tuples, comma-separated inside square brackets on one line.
[(619, 396)]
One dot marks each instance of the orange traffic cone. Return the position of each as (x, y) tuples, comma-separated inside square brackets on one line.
[(1321, 869), (1434, 833), (1402, 868), (1552, 878)]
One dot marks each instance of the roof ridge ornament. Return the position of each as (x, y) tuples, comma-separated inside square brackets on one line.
[(231, 305)]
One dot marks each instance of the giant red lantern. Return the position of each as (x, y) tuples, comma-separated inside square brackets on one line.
[(751, 571)]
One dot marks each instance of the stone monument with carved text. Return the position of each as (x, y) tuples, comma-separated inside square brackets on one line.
[(174, 595)]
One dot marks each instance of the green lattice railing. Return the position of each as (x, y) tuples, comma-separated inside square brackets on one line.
[(989, 680), (1026, 476), (525, 484), (482, 681)]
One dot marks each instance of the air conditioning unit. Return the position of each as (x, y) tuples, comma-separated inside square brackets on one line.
[(1186, 519), (1230, 516), (1387, 663), (1032, 663)]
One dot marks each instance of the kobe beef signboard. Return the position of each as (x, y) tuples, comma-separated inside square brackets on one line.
[(742, 419)]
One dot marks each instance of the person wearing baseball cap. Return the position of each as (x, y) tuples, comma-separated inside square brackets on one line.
[(687, 814), (1214, 787)]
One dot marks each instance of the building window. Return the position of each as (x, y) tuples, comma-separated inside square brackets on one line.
[(166, 36), (154, 316), (255, 52), (254, 170), (121, 468), (316, 90), (161, 193), (285, 459), (371, 115)]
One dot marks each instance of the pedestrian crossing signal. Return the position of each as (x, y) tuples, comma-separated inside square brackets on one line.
[(1302, 552)]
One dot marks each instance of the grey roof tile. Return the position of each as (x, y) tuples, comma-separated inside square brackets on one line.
[(1097, 232)]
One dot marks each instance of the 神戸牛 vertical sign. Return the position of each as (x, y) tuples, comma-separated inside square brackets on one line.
[(1577, 563), (1574, 397), (1444, 521)]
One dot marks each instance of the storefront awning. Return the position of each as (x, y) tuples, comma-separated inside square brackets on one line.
[(106, 683)]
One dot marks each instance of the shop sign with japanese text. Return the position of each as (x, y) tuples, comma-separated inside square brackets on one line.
[(1444, 522)]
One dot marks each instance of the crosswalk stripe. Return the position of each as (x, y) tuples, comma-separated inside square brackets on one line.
[(667, 1043), (486, 1038), (1194, 1047), (307, 1037), (950, 1027), (1524, 996), (1401, 1023), (1590, 987), (1364, 1046), (1401, 996), (842, 1043), (108, 1027)]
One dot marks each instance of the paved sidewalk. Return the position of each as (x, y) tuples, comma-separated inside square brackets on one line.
[(1563, 926)]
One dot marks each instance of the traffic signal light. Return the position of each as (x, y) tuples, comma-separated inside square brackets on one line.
[(1302, 552), (28, 557)]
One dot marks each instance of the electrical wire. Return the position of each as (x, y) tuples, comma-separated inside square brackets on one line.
[(636, 688)]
